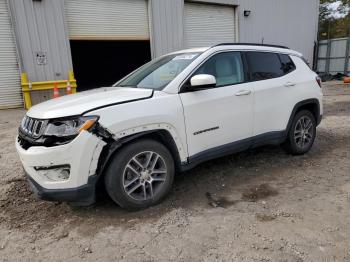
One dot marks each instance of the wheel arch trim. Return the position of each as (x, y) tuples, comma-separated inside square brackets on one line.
[(311, 101), (168, 136), (154, 128)]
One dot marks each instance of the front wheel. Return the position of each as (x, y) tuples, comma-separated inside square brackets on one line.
[(302, 133), (140, 175)]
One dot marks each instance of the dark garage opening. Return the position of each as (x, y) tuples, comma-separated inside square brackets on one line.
[(102, 63)]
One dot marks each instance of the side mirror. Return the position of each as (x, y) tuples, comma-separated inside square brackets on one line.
[(203, 81)]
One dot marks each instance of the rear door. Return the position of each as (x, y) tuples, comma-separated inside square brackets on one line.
[(273, 84), (218, 116)]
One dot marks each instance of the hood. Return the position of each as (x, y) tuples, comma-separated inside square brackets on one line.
[(77, 104)]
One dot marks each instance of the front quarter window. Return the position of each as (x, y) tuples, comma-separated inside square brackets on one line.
[(160, 72)]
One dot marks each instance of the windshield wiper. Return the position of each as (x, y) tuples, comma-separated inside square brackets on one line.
[(126, 86)]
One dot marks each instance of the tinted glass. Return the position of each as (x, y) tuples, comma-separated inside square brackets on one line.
[(264, 65), (287, 64), (160, 72), (226, 67), (305, 61)]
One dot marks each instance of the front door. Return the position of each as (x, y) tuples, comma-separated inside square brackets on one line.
[(218, 116)]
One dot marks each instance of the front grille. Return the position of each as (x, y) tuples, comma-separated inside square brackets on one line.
[(32, 127)]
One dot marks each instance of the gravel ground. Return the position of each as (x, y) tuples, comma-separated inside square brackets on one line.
[(260, 205)]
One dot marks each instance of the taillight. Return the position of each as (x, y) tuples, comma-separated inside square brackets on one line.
[(319, 82)]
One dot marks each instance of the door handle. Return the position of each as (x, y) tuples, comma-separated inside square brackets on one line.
[(289, 84), (243, 93)]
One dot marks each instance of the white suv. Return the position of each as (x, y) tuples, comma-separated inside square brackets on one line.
[(168, 116)]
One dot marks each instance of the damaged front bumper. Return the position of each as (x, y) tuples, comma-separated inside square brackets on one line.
[(80, 196), (64, 172)]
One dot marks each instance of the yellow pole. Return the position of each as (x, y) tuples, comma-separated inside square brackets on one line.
[(72, 79), (27, 87), (26, 91)]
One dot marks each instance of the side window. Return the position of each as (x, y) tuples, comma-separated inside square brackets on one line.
[(264, 65), (305, 61), (287, 64), (226, 67)]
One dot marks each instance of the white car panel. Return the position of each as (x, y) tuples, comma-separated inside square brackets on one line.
[(273, 104), (78, 103), (217, 116), (163, 109), (78, 154), (275, 99)]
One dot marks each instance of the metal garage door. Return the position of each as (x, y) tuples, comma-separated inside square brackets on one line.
[(107, 20), (10, 86), (206, 24)]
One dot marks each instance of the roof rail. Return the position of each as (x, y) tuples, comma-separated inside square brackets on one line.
[(253, 44)]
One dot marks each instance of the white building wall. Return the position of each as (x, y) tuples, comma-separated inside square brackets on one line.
[(40, 27), (284, 22), (292, 23), (166, 25)]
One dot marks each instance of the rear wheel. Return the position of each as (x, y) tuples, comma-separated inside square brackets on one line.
[(140, 175), (301, 134)]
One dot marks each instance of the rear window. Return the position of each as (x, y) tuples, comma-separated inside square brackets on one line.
[(264, 65), (305, 61), (287, 64)]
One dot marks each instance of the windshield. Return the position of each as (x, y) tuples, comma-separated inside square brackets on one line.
[(160, 72)]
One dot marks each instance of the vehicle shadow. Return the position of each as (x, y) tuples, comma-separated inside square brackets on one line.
[(243, 177), (224, 182)]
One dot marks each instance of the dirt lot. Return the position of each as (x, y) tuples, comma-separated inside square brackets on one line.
[(261, 205)]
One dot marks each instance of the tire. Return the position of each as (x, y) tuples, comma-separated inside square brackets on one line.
[(301, 134), (133, 186)]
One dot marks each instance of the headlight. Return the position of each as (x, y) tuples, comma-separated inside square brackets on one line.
[(69, 127)]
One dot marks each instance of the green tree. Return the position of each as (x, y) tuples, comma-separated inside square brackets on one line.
[(334, 22)]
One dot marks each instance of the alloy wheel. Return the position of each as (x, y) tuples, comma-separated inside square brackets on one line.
[(304, 132), (144, 175)]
